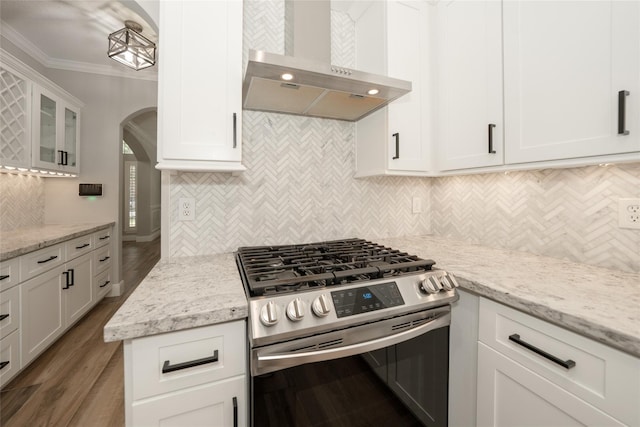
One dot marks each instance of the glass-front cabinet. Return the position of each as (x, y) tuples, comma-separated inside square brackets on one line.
[(55, 132)]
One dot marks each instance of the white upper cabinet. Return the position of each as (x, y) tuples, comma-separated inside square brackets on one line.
[(391, 39), (469, 90), (200, 86), (55, 132), (15, 127), (565, 63)]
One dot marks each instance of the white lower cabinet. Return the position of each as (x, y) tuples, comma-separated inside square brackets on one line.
[(9, 357), (222, 403), (78, 295), (188, 378), (533, 373)]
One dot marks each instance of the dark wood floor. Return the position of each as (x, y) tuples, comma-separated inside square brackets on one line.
[(79, 380)]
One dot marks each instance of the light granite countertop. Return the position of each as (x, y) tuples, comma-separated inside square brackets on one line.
[(24, 240), (181, 293), (599, 303)]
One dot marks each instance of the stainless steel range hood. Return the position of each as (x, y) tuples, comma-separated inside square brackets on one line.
[(315, 88)]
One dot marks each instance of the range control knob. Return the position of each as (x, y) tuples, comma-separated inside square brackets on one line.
[(431, 285), (320, 306), (452, 280), (295, 310), (269, 314)]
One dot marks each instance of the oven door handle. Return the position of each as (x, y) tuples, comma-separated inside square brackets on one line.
[(284, 360)]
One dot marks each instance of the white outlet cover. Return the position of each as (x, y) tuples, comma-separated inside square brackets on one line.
[(416, 205), (629, 213), (186, 209)]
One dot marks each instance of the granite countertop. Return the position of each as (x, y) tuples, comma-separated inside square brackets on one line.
[(599, 303), (181, 293), (24, 240)]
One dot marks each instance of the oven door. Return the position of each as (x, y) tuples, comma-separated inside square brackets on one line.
[(325, 380)]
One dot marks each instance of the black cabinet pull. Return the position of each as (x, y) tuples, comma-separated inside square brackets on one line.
[(66, 280), (3, 316), (397, 137), (104, 237), (567, 364), (168, 367), (622, 112), (235, 411), (51, 258), (82, 246), (3, 364), (65, 162), (491, 150), (235, 131), (104, 259), (73, 280), (61, 158), (105, 284), (5, 276)]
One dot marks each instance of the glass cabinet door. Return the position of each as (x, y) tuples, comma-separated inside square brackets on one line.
[(47, 149), (70, 137)]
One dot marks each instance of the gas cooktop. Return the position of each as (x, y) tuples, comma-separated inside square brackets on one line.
[(269, 270)]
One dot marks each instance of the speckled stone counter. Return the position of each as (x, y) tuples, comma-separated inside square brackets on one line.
[(24, 240), (599, 303), (181, 293)]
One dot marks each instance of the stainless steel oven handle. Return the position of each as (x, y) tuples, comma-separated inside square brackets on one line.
[(362, 347)]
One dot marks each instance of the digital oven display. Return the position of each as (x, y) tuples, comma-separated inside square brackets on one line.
[(366, 298)]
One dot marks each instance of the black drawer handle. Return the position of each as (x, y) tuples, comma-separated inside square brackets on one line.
[(3, 364), (103, 238), (105, 284), (61, 161), (3, 316), (397, 137), (82, 246), (5, 276), (567, 364), (622, 112), (51, 258), (491, 150), (104, 259), (235, 411), (168, 367)]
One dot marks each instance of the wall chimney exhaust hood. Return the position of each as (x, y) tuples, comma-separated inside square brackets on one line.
[(304, 82)]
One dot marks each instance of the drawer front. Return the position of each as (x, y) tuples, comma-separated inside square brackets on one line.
[(9, 311), (42, 260), (9, 273), (149, 355), (102, 238), (9, 352), (80, 246), (102, 284), (600, 375), (102, 260)]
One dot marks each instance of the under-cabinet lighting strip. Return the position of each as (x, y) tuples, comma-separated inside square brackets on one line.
[(35, 172)]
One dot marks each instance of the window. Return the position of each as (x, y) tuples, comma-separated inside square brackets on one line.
[(126, 149), (131, 184)]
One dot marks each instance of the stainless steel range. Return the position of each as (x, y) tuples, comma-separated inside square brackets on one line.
[(327, 300)]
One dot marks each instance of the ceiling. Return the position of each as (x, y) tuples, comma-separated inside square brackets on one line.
[(71, 34)]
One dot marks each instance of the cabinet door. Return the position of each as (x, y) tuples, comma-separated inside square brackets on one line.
[(15, 127), (78, 296), (219, 404), (405, 47), (419, 374), (42, 318), (45, 130), (70, 138), (469, 86), (512, 395), (564, 64), (200, 91)]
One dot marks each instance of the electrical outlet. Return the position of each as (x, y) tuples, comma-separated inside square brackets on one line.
[(186, 209), (629, 213), (416, 205)]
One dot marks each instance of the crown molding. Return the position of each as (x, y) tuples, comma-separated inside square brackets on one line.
[(46, 61)]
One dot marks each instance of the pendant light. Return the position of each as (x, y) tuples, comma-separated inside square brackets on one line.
[(129, 47)]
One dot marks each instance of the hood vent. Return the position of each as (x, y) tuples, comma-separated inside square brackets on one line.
[(310, 87)]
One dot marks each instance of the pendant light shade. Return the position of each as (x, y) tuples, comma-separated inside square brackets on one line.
[(131, 48)]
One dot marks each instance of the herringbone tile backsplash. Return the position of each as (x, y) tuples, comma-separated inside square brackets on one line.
[(21, 201)]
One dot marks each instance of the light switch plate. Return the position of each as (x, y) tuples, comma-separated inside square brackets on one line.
[(416, 205)]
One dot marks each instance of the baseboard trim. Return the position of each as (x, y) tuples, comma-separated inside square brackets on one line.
[(149, 237), (117, 289)]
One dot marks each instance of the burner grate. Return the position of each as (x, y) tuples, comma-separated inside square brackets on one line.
[(288, 268)]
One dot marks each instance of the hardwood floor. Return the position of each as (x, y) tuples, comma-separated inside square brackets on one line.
[(79, 380)]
